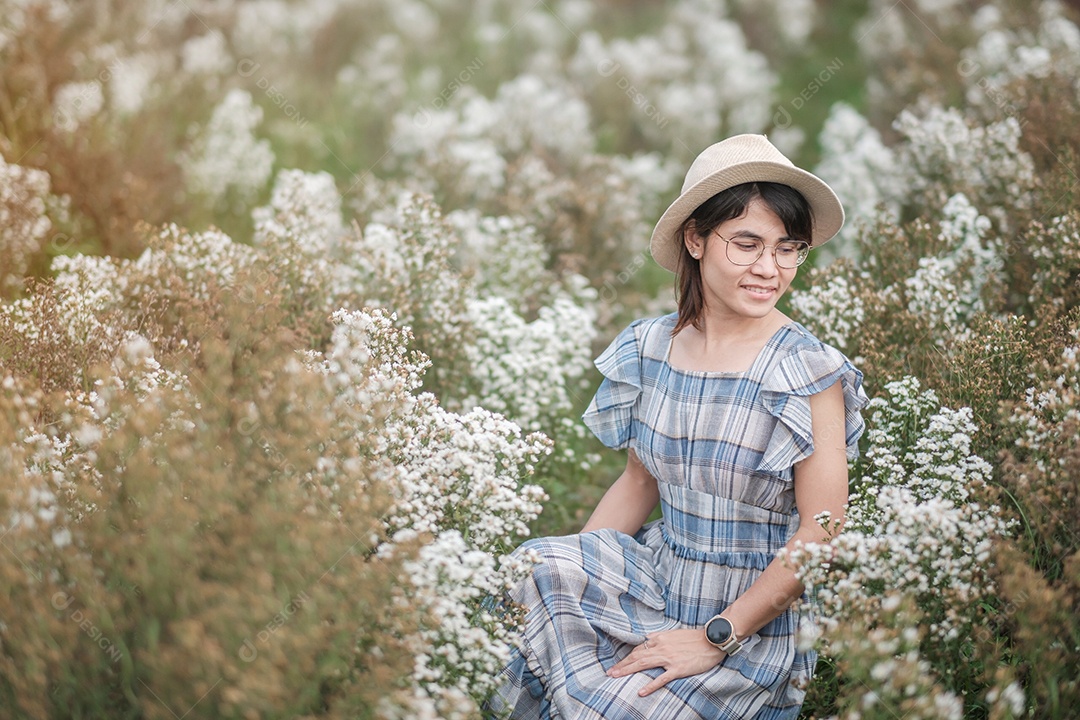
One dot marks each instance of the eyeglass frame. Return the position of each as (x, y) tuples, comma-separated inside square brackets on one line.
[(761, 251)]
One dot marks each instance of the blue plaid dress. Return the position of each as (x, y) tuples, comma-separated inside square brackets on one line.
[(722, 447)]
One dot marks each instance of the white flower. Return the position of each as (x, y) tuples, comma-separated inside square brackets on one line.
[(131, 82), (943, 149), (862, 171), (24, 199), (694, 78), (1007, 55), (528, 370), (75, 103), (225, 155), (61, 537), (832, 308), (912, 527), (206, 54), (456, 479)]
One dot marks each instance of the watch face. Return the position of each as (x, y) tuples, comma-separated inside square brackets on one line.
[(718, 631)]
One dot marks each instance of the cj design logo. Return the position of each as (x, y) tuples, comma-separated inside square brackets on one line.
[(247, 67), (782, 118), (62, 601), (248, 651), (607, 68)]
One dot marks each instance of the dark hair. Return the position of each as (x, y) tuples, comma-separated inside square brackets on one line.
[(788, 204)]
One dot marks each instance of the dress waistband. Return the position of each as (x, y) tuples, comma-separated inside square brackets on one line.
[(710, 528)]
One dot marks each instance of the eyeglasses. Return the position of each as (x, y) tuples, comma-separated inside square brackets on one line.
[(787, 254)]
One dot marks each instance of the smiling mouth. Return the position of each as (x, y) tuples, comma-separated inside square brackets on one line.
[(758, 290)]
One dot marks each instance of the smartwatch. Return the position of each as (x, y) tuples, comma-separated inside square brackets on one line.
[(721, 633)]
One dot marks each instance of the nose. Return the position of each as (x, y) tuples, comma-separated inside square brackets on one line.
[(766, 264)]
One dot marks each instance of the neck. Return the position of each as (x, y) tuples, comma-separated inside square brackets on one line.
[(727, 344), (727, 329)]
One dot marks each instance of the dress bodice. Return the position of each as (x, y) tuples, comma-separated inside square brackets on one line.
[(733, 435)]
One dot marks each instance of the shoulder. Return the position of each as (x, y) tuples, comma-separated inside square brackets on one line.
[(798, 342), (801, 367), (803, 364), (647, 337), (644, 327)]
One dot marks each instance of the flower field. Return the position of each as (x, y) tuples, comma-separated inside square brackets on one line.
[(299, 302)]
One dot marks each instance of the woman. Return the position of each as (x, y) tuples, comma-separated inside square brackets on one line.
[(740, 423)]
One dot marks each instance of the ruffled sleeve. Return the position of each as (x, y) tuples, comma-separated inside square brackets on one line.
[(610, 415), (811, 367)]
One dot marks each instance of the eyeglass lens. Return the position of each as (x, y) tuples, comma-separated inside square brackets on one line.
[(746, 252)]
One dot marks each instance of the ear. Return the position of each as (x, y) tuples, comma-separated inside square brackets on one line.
[(694, 243)]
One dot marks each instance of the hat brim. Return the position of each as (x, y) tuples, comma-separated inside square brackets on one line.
[(827, 211)]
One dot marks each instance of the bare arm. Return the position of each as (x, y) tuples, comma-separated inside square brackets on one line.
[(821, 483), (629, 501)]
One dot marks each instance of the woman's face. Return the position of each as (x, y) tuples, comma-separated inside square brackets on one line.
[(742, 291)]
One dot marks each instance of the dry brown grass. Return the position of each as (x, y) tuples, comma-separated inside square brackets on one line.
[(216, 574)]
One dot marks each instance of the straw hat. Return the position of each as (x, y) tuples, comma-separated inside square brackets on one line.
[(737, 160)]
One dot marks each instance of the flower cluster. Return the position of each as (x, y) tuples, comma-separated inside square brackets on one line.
[(1055, 403), (459, 657), (206, 55), (507, 257), (24, 199), (946, 290), (914, 521), (517, 363), (454, 478), (225, 156), (537, 166), (1044, 426), (76, 103), (307, 245), (861, 169), (939, 295), (407, 252), (1055, 248), (453, 471), (477, 137), (695, 72), (831, 305), (944, 152), (456, 483), (1040, 461), (892, 676), (1006, 56), (917, 531)]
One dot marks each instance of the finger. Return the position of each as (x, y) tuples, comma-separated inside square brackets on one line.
[(623, 667), (632, 663), (657, 684), (636, 652)]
